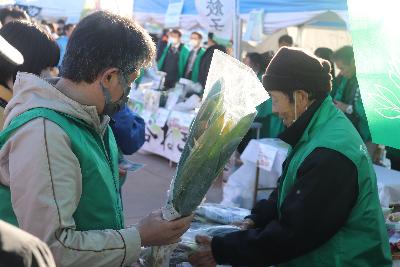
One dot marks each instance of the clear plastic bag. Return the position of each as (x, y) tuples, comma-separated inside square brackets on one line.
[(229, 107)]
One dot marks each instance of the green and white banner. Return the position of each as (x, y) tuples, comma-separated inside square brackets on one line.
[(375, 31)]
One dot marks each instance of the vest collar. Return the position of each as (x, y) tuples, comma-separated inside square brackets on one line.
[(294, 132)]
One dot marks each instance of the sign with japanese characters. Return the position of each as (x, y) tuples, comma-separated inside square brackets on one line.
[(166, 131), (217, 16)]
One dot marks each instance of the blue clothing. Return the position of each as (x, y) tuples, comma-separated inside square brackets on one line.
[(128, 129), (62, 42)]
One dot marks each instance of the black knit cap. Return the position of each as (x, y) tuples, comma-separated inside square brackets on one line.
[(294, 69)]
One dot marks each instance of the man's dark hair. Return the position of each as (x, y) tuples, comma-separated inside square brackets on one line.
[(7, 70), (104, 40), (344, 54), (60, 21), (211, 37), (198, 35), (256, 59), (13, 12), (178, 32), (39, 49), (326, 53), (68, 26), (287, 39)]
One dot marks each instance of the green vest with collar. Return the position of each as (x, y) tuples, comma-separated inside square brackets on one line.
[(182, 61), (196, 65), (100, 205), (362, 241)]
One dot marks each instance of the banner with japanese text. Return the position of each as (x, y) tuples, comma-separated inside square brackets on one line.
[(217, 16)]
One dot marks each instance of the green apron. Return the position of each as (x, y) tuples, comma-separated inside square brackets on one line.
[(183, 58), (348, 92), (196, 66), (272, 125), (100, 205), (363, 240)]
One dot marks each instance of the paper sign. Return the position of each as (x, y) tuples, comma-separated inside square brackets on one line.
[(217, 16), (255, 24), (266, 156), (162, 116), (173, 15)]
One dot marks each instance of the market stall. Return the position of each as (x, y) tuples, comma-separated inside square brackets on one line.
[(268, 155), (311, 24)]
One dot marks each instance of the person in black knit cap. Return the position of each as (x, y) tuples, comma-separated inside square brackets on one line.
[(326, 210)]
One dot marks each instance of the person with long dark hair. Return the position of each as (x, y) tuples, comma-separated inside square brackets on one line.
[(39, 50)]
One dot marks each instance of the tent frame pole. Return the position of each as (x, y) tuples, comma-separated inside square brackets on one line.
[(237, 31)]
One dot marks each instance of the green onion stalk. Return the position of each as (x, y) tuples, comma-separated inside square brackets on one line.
[(214, 135)]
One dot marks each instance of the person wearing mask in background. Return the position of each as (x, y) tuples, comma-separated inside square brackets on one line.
[(272, 125), (9, 14), (59, 158), (62, 41), (347, 95), (285, 40), (205, 62), (195, 56), (53, 30), (174, 59), (39, 50), (327, 54), (60, 27), (162, 44), (17, 248), (326, 211)]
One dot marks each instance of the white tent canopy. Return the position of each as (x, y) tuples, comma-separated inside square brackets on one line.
[(312, 23), (279, 14)]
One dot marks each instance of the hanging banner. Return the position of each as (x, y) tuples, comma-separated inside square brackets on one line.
[(255, 25), (376, 40), (173, 15), (32, 11), (217, 16)]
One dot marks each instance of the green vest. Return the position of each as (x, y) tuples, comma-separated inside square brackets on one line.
[(196, 66), (100, 205), (183, 58), (348, 92), (363, 240), (272, 125)]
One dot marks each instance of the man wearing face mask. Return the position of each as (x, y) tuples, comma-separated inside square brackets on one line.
[(195, 56), (59, 159), (174, 59), (326, 210)]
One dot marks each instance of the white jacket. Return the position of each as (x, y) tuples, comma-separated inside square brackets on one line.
[(45, 180)]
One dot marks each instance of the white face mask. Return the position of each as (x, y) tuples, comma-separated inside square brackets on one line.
[(172, 40), (193, 44)]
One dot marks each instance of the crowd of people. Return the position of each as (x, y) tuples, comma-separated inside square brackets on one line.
[(66, 127)]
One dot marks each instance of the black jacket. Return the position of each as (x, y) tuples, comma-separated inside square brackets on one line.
[(206, 62), (318, 205)]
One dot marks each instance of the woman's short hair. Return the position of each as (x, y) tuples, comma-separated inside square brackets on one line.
[(39, 49)]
